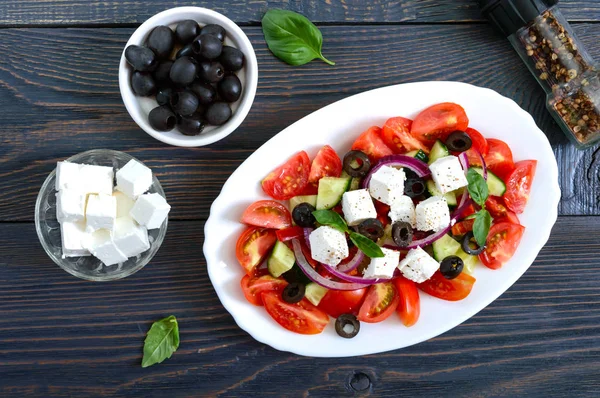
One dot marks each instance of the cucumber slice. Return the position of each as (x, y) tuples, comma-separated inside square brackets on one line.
[(469, 261), (296, 200), (439, 150), (444, 247), (315, 292), (330, 191), (496, 186), (433, 191), (354, 184), (281, 260), (419, 154)]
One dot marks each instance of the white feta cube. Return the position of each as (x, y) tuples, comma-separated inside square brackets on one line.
[(433, 214), (101, 212), (448, 174), (150, 210), (418, 266), (73, 235), (129, 237), (387, 184), (68, 176), (102, 246), (328, 245), (403, 209), (124, 204), (70, 205), (383, 267), (358, 206), (134, 179), (97, 179)]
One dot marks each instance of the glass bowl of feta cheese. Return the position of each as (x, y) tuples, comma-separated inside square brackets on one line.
[(101, 215)]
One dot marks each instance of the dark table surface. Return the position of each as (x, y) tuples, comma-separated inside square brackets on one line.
[(59, 96)]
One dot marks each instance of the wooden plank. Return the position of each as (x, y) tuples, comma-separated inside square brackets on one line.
[(60, 96), (65, 337)]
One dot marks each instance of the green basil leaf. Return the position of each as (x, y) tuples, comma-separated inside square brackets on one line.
[(330, 218), (481, 227), (162, 340), (477, 187), (292, 38), (366, 245)]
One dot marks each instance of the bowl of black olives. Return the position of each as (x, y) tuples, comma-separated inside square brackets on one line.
[(188, 76)]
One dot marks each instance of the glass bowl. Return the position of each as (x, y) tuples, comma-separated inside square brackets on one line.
[(48, 228)]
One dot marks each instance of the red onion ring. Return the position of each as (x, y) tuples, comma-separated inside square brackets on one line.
[(352, 279), (352, 264), (307, 232), (419, 167)]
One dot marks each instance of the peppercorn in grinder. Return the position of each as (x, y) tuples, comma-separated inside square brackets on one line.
[(547, 44)]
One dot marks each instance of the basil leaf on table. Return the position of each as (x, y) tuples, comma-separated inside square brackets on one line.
[(330, 218), (366, 245), (481, 227), (292, 38), (477, 187), (162, 340)]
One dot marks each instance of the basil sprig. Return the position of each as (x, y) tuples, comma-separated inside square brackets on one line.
[(478, 190), (162, 340)]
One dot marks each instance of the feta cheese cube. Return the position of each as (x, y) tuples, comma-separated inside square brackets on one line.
[(134, 179), (97, 179), (448, 174), (387, 184), (383, 267), (433, 214), (102, 246), (418, 266), (124, 204), (358, 206), (129, 237), (328, 245), (70, 205), (73, 235), (68, 176), (403, 209), (150, 210), (101, 212)]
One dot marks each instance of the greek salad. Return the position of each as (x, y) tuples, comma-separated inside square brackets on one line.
[(413, 207)]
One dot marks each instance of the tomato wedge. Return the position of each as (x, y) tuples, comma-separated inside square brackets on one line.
[(380, 302), (462, 227), (371, 143), (338, 302), (290, 233), (289, 179), (499, 159), (438, 121), (518, 185), (253, 286), (267, 214), (502, 242), (396, 135), (327, 163), (409, 307), (448, 289), (479, 144), (498, 210), (252, 247), (383, 212), (302, 317)]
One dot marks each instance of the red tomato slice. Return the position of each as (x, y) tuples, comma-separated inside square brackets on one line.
[(252, 247), (381, 301), (290, 233), (338, 302), (448, 289), (267, 214), (409, 307), (371, 143), (498, 210), (253, 286), (396, 135), (518, 185), (438, 121), (462, 227), (289, 179), (327, 163), (310, 189), (302, 317), (480, 145), (499, 159), (383, 212), (502, 242)]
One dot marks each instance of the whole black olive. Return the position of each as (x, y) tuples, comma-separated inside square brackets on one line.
[(184, 103), (162, 118), (205, 92), (230, 88), (216, 30), (303, 215), (402, 233), (183, 71), (293, 293), (141, 58), (161, 73), (185, 51), (200, 111), (356, 164), (190, 125), (163, 97), (414, 187), (207, 46), (469, 240), (371, 228), (211, 72), (217, 113), (232, 59), (347, 326), (187, 31), (142, 83), (161, 40), (459, 141), (451, 267)]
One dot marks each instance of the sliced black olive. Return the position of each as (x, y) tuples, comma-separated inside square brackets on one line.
[(230, 88), (211, 72), (414, 187), (218, 113), (371, 228), (161, 73), (402, 233), (161, 40), (190, 125), (303, 215), (232, 59), (163, 97), (185, 51), (141, 58), (187, 31), (356, 164), (184, 103), (293, 293), (162, 118), (142, 83), (469, 240), (207, 46), (451, 267), (213, 29), (458, 141), (183, 71), (205, 92), (347, 326)]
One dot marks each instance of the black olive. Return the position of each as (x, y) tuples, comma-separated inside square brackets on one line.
[(184, 103), (217, 113), (371, 228), (162, 118), (187, 30), (161, 73), (414, 187), (402, 233), (161, 40), (185, 51), (207, 46), (451, 267), (232, 59), (303, 215), (141, 58), (142, 83), (347, 326), (230, 88), (216, 30), (359, 158), (205, 92), (183, 71), (190, 125), (459, 141), (293, 293), (163, 97), (211, 72), (467, 241)]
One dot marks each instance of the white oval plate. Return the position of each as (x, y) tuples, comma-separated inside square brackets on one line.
[(338, 125)]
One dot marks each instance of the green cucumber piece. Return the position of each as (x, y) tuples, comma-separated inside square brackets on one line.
[(419, 154), (439, 150), (354, 184), (281, 260), (330, 191), (469, 261), (315, 292), (433, 191), (444, 247), (496, 186), (296, 200)]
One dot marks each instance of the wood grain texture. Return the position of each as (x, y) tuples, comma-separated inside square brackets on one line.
[(66, 337)]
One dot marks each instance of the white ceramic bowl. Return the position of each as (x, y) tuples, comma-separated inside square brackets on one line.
[(139, 107)]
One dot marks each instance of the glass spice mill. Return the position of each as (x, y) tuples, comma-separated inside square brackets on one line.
[(547, 44)]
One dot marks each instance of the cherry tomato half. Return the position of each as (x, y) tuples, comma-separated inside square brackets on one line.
[(438, 121), (290, 233), (371, 143), (381, 301), (479, 144), (338, 302), (289, 179), (518, 185), (499, 159), (462, 227), (302, 317), (267, 214), (327, 163), (448, 289), (253, 286), (252, 247), (498, 211), (409, 307), (396, 135), (502, 242)]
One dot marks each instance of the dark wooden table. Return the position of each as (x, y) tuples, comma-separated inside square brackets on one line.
[(60, 336)]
